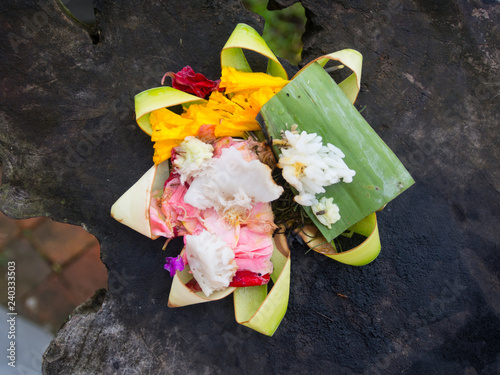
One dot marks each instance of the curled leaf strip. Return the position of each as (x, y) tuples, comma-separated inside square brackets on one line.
[(361, 255), (132, 208), (254, 307), (245, 37), (156, 98), (354, 61)]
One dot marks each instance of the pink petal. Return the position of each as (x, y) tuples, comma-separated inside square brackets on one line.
[(253, 252), (160, 226), (217, 225)]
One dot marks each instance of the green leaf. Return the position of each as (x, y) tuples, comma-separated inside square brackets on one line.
[(350, 58), (314, 102)]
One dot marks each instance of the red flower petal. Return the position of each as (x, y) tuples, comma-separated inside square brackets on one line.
[(249, 278), (193, 83)]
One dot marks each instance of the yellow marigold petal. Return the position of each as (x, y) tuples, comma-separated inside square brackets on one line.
[(235, 81), (261, 97), (203, 115), (232, 115), (242, 100), (168, 131), (163, 149), (166, 124), (245, 116), (220, 101), (229, 128), (167, 117)]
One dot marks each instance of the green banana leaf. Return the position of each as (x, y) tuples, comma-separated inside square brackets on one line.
[(314, 102)]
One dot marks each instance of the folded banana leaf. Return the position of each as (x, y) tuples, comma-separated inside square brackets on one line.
[(314, 102)]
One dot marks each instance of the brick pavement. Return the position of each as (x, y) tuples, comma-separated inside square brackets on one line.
[(58, 267)]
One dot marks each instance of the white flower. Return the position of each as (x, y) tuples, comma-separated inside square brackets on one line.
[(309, 166), (191, 157), (231, 182), (211, 261), (326, 211)]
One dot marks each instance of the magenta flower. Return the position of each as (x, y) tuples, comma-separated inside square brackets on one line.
[(174, 264), (193, 83)]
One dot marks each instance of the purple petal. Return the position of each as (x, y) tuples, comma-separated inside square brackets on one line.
[(174, 264)]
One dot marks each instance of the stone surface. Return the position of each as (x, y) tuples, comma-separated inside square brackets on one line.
[(428, 304)]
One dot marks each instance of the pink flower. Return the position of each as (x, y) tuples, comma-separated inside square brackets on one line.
[(253, 252), (170, 216), (160, 225), (187, 216), (173, 199), (217, 225), (223, 210), (206, 133), (261, 219)]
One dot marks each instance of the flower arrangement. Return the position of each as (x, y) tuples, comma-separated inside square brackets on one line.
[(213, 182)]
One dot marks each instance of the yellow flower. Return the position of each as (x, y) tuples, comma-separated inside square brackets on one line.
[(167, 125), (235, 81), (260, 97), (169, 130), (163, 149), (232, 116)]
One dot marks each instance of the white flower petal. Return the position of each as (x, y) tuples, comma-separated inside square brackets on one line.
[(211, 261), (326, 211), (309, 166), (229, 181)]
